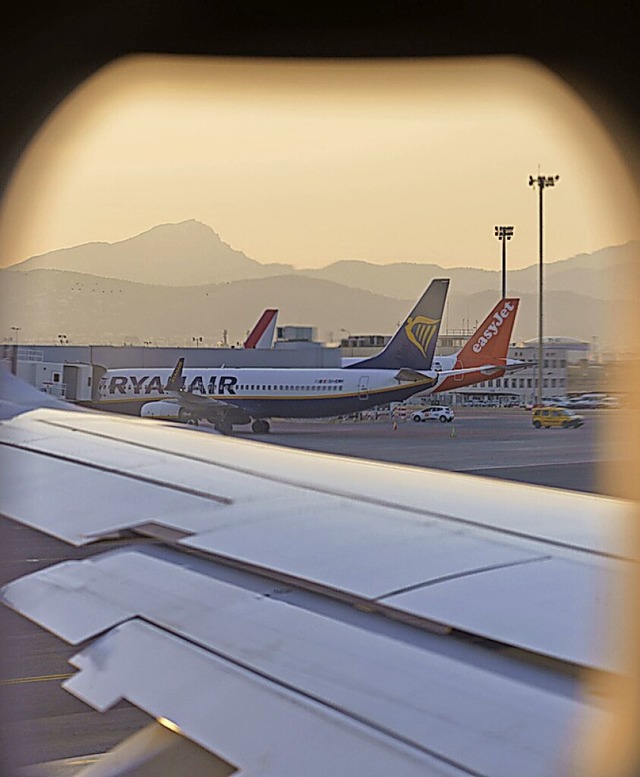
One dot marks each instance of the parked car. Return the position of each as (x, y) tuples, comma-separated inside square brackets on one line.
[(442, 414), (555, 417)]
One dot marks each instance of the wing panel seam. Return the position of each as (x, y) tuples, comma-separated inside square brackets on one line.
[(458, 575), (122, 473)]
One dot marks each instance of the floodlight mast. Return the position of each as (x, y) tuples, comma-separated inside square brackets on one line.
[(504, 234), (541, 181)]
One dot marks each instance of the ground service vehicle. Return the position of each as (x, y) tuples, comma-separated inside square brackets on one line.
[(555, 417), (442, 414)]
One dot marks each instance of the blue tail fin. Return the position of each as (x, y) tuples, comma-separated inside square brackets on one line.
[(414, 344)]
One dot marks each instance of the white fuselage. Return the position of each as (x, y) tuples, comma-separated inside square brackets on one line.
[(265, 392)]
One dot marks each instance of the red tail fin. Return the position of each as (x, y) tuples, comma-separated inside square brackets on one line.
[(489, 344), (262, 333)]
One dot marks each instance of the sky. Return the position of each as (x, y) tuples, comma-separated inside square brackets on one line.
[(309, 163)]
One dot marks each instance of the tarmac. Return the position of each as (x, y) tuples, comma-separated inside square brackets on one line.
[(488, 442)]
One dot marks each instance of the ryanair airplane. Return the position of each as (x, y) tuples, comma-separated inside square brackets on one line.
[(228, 396)]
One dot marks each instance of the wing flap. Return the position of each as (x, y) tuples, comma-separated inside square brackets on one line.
[(237, 649), (241, 717), (556, 607)]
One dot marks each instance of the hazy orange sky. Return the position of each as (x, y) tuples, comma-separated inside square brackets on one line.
[(308, 163)]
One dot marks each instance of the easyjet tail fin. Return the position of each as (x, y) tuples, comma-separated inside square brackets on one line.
[(489, 344), (414, 344)]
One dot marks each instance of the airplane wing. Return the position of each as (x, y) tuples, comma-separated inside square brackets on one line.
[(293, 613), (222, 414), (406, 375), (415, 376), (197, 402)]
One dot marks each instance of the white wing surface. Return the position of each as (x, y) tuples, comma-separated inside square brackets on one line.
[(297, 613)]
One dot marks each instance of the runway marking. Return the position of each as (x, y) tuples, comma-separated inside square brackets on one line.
[(36, 679)]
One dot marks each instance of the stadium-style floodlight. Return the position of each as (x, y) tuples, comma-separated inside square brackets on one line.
[(541, 181), (504, 234)]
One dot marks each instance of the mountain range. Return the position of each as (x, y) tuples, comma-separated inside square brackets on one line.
[(177, 281)]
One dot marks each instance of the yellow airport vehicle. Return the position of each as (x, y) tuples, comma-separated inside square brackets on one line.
[(555, 417)]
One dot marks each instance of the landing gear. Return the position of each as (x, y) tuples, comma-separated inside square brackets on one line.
[(260, 426), (223, 426), (192, 421)]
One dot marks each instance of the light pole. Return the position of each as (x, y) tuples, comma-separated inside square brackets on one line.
[(541, 181), (504, 234), (63, 340), (348, 334), (14, 357), (196, 340)]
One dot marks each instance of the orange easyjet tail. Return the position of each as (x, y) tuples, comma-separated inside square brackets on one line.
[(488, 346)]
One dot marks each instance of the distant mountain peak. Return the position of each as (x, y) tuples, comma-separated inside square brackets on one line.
[(185, 253)]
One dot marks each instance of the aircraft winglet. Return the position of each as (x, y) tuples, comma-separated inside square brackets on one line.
[(176, 380)]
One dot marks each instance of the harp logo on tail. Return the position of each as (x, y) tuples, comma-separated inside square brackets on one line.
[(420, 331)]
